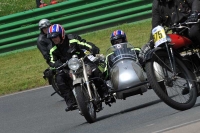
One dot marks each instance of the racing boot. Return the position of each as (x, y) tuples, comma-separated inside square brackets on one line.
[(103, 91)]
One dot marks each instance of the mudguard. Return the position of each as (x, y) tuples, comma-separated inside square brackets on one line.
[(149, 53), (77, 81)]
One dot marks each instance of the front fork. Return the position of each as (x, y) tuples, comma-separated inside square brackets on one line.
[(171, 58), (160, 72), (86, 80)]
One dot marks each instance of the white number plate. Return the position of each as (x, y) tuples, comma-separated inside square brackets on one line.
[(159, 35)]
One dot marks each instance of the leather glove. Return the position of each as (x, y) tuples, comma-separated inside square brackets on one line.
[(92, 58), (100, 56), (86, 52), (48, 73), (193, 17)]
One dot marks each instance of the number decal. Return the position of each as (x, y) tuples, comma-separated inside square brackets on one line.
[(159, 35)]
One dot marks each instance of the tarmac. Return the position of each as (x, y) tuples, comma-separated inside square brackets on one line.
[(192, 127)]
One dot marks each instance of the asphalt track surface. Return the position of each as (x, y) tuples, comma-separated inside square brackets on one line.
[(35, 111)]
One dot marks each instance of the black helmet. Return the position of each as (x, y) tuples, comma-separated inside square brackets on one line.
[(118, 36)]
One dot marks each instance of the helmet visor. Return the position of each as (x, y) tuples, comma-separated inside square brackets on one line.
[(52, 35), (117, 41)]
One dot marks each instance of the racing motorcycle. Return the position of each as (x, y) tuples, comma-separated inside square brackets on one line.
[(173, 66), (126, 77), (84, 88)]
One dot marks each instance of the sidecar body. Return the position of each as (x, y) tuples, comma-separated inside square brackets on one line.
[(126, 74)]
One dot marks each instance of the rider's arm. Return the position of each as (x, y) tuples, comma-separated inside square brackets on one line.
[(156, 19), (105, 72), (44, 47), (156, 16), (54, 60), (80, 45), (195, 5), (78, 42), (108, 63)]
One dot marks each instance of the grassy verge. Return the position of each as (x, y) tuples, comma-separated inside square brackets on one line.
[(8, 7), (23, 70)]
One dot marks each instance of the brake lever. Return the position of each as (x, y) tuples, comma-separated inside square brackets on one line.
[(63, 65), (188, 23)]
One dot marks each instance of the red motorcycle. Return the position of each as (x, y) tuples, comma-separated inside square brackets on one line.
[(173, 66)]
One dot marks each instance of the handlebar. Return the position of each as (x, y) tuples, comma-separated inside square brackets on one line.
[(184, 25), (97, 59), (62, 66)]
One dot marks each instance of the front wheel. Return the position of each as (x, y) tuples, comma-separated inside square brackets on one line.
[(85, 105), (178, 90)]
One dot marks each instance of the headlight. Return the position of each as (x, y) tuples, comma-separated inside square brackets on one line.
[(74, 64)]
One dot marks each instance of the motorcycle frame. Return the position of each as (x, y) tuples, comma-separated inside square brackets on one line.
[(168, 48), (171, 57), (84, 78)]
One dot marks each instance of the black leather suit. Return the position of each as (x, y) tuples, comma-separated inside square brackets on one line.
[(44, 45), (60, 53), (169, 12)]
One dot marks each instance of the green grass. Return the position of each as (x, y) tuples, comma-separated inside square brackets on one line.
[(8, 7), (24, 70)]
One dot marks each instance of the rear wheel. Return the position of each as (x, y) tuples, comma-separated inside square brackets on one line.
[(176, 90), (85, 105)]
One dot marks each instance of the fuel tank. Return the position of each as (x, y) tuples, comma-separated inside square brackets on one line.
[(125, 74), (179, 41)]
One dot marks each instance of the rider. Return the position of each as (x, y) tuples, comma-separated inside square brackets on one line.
[(117, 37), (169, 12), (43, 43), (65, 46)]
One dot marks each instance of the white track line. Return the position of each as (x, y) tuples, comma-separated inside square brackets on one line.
[(177, 126), (24, 91)]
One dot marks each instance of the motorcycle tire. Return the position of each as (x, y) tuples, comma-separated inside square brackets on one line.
[(171, 89), (85, 105)]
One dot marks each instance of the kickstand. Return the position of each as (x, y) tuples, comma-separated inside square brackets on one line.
[(53, 93), (108, 104)]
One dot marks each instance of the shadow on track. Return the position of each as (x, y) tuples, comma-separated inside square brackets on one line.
[(125, 111)]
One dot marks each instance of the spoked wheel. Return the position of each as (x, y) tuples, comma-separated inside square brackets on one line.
[(178, 90), (55, 87), (85, 105)]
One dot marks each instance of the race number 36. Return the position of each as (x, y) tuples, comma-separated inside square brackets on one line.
[(159, 35)]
